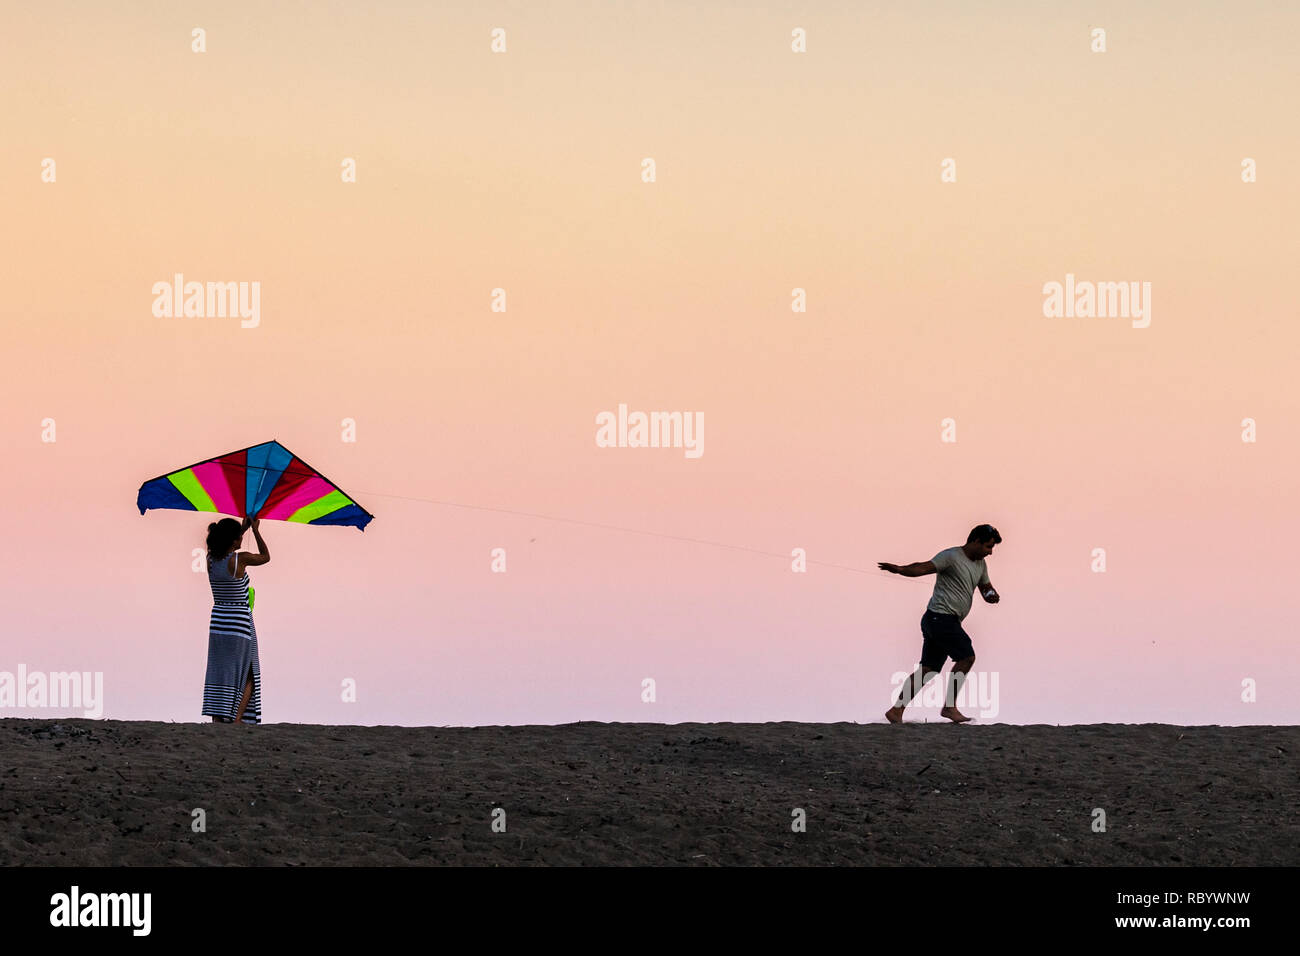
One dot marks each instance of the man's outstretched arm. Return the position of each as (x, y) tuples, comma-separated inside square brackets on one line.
[(913, 570)]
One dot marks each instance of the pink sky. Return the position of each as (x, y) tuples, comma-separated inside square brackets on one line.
[(775, 171)]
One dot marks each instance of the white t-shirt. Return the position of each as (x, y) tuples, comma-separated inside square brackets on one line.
[(956, 581)]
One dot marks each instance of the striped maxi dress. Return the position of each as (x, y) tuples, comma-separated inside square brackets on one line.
[(232, 647)]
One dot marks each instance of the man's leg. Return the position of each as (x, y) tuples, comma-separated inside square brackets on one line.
[(959, 670), (911, 687)]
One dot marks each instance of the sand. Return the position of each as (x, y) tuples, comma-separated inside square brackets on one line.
[(87, 792)]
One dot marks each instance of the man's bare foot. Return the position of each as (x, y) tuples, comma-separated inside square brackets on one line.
[(894, 715), (953, 714)]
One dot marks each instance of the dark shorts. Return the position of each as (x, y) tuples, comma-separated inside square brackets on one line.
[(944, 638)]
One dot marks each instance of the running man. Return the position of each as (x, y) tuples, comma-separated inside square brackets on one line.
[(961, 571)]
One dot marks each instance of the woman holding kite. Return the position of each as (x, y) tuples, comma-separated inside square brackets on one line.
[(232, 688), (272, 482)]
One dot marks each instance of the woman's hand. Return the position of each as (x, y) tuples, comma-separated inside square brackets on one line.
[(253, 523)]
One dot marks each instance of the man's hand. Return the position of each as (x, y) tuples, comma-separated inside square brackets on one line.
[(991, 596), (913, 570)]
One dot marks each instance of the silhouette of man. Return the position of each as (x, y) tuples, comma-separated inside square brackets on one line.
[(960, 571)]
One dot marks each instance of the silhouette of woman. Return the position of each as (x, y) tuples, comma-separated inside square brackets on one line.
[(232, 687)]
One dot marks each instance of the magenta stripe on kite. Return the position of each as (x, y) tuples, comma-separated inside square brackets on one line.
[(312, 489), (212, 476)]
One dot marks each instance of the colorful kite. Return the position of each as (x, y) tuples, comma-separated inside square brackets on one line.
[(262, 481)]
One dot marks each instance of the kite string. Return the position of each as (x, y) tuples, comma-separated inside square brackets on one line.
[(613, 527)]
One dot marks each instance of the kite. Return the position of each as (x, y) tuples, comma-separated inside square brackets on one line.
[(261, 481)]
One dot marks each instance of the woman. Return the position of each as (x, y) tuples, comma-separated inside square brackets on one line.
[(232, 689)]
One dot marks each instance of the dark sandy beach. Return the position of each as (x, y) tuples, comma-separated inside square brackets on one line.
[(86, 792)]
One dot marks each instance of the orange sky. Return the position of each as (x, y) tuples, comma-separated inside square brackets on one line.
[(775, 171)]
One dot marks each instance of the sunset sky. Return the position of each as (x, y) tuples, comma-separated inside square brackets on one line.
[(823, 429)]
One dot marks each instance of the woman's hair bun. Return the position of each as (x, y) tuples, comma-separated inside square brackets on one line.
[(222, 534)]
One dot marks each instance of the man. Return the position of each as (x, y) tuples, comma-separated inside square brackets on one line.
[(961, 571)]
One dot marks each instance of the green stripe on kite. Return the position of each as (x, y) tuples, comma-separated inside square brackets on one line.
[(188, 485), (321, 507)]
